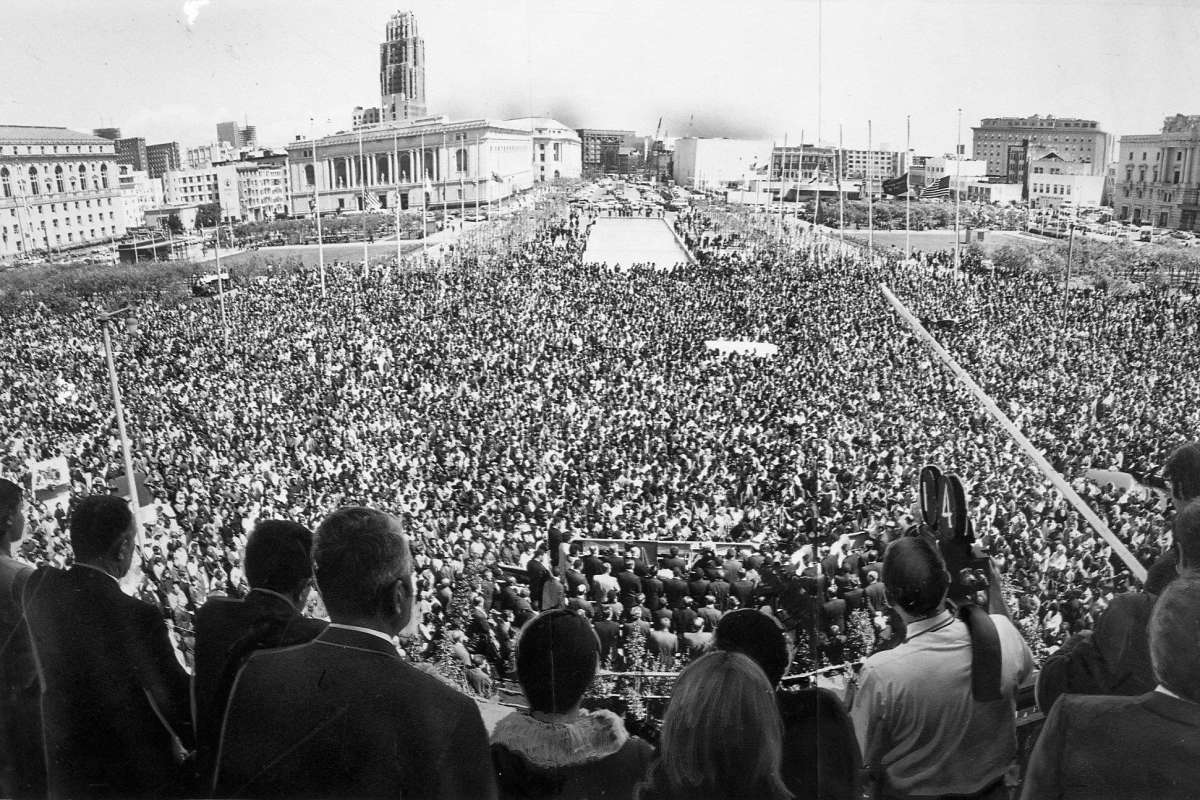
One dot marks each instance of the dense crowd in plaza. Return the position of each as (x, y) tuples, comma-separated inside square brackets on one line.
[(537, 425)]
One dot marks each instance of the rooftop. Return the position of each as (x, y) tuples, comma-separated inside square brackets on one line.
[(45, 134)]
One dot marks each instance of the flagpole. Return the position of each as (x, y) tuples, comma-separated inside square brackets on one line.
[(424, 204), (445, 155), (782, 184), (957, 194), (799, 175), (395, 176), (362, 180), (317, 201), (870, 196), (907, 187), (841, 195)]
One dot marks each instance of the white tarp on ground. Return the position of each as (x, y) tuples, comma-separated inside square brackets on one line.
[(745, 348), (622, 242)]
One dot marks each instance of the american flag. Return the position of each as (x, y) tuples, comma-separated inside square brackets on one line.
[(938, 190), (372, 203)]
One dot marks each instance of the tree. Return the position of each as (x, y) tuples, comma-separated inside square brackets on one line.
[(208, 215), (174, 224)]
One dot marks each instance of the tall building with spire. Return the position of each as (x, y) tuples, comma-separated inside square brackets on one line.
[(402, 69), (401, 75)]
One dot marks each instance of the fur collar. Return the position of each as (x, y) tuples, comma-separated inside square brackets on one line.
[(590, 736)]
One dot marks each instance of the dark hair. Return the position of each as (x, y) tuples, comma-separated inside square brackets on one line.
[(360, 554), (278, 556), (98, 522), (914, 574), (1186, 532), (1175, 636), (1182, 469), (557, 656), (757, 635)]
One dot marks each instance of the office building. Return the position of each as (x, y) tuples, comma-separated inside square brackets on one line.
[(229, 133), (1055, 182), (718, 163), (1157, 178), (401, 74), (58, 190), (248, 137), (557, 151), (602, 150), (162, 158), (1005, 142), (262, 189), (132, 152), (138, 193), (462, 161), (205, 155), (201, 187)]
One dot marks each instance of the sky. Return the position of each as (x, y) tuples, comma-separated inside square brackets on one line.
[(171, 69)]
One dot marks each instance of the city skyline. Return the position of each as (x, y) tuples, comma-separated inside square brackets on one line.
[(170, 72)]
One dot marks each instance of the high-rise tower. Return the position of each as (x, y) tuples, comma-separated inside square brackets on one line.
[(402, 69)]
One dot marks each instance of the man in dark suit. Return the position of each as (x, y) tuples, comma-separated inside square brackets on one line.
[(743, 590), (684, 616), (115, 704), (344, 715), (591, 564), (629, 584), (609, 634), (876, 594), (674, 561), (22, 764), (278, 566), (697, 586), (1145, 746), (575, 578), (719, 590), (833, 613), (663, 643), (652, 589), (580, 604), (676, 589)]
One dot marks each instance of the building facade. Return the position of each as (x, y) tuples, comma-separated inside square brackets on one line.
[(229, 133), (262, 190), (132, 153), (1000, 140), (557, 151), (206, 186), (163, 158), (718, 163), (1055, 182), (425, 163), (58, 190), (139, 193), (601, 150), (1157, 178), (205, 155), (401, 74)]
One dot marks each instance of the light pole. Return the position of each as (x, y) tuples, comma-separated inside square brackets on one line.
[(106, 320), (220, 278)]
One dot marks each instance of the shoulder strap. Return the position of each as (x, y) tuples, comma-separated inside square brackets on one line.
[(985, 653)]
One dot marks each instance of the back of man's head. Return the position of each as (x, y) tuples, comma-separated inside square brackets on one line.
[(98, 523), (915, 575), (1182, 470), (361, 555), (1186, 530), (279, 556), (752, 632), (1175, 637)]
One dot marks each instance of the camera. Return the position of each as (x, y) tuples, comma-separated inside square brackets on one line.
[(944, 518)]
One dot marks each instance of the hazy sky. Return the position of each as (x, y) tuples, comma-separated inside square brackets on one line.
[(741, 68)]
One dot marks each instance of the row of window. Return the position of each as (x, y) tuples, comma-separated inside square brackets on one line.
[(1175, 177), (15, 149), (61, 180), (1051, 188), (15, 234), (1158, 155)]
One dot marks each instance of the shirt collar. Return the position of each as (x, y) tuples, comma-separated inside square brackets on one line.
[(371, 631), (97, 569), (922, 625)]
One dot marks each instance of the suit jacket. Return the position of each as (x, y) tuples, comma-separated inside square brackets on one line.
[(676, 589), (720, 590), (345, 716), (113, 692), (22, 763), (698, 589), (609, 634), (227, 632), (876, 597), (652, 587), (743, 590), (630, 586), (1146, 746)]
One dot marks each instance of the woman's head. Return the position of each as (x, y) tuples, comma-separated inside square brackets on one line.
[(557, 657), (722, 735)]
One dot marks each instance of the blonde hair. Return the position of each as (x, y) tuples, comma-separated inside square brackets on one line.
[(722, 735)]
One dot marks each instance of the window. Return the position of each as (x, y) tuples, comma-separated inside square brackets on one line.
[(1175, 178), (5, 182), (58, 178), (460, 159), (34, 186), (104, 175), (1179, 156)]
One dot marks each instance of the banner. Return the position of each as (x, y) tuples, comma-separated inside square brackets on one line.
[(49, 477), (120, 485)]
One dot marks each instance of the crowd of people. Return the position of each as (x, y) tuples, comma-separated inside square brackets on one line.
[(503, 404)]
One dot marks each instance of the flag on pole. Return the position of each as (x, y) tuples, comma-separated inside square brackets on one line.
[(372, 202), (937, 190), (496, 177), (896, 186)]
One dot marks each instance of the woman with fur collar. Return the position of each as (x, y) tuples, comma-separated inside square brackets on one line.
[(557, 750)]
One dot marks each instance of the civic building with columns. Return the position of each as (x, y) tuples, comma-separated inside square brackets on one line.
[(462, 161)]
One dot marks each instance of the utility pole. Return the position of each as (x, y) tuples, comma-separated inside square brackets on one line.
[(106, 320), (220, 278), (907, 188), (957, 196), (317, 204), (1067, 280)]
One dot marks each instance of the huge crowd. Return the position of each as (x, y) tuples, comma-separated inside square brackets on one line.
[(499, 406)]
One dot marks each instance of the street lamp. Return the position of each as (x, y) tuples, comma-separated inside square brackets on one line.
[(107, 318)]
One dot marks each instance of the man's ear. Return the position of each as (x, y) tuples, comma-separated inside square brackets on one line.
[(403, 594)]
